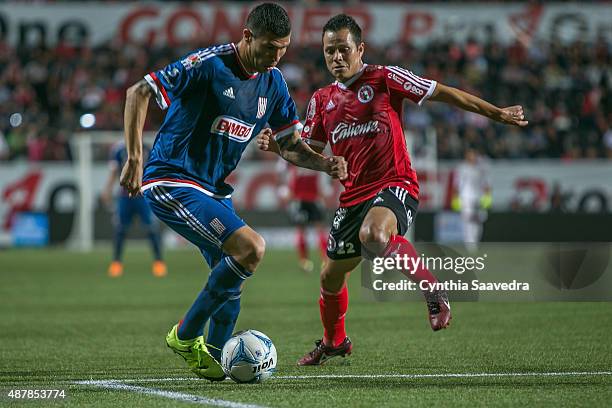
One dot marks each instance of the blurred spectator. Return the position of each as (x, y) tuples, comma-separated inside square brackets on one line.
[(565, 89)]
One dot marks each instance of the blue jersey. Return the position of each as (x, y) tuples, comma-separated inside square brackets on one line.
[(214, 109)]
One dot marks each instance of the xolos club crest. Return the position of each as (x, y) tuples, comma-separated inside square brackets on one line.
[(365, 94)]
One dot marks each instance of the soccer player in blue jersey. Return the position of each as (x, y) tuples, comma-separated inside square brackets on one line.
[(125, 210), (218, 99)]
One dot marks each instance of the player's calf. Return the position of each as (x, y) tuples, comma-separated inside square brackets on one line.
[(332, 280)]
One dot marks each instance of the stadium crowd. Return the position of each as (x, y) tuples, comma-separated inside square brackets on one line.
[(566, 91)]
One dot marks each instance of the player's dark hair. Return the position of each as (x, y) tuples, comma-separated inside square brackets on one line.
[(342, 21), (269, 18)]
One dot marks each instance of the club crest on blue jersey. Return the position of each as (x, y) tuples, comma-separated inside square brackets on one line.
[(195, 59), (261, 107)]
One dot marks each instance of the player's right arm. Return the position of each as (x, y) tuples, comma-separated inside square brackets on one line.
[(136, 104)]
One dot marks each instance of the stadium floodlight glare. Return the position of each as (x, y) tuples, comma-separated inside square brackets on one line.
[(88, 120), (16, 119)]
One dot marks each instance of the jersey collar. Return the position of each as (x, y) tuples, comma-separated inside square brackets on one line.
[(345, 85), (241, 65)]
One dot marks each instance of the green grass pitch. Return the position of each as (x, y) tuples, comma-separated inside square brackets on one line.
[(63, 321)]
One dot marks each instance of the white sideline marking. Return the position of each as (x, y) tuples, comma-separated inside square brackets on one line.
[(177, 396), (449, 375), (372, 376)]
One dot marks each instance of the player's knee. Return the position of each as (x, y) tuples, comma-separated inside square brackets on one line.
[(254, 251), (373, 234), (374, 239), (259, 248)]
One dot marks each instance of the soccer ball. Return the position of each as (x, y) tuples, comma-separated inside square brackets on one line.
[(249, 357)]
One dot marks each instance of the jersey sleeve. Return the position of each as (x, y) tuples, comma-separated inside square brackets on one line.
[(402, 82), (313, 133), (179, 78), (284, 119)]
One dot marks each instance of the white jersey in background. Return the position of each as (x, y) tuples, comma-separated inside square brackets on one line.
[(471, 184)]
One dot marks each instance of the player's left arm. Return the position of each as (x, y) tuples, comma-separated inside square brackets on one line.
[(511, 115), (293, 149), (286, 139)]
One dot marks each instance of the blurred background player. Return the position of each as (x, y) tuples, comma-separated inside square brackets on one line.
[(125, 209), (473, 196), (359, 116), (303, 190)]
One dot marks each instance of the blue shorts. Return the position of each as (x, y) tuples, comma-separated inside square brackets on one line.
[(128, 207), (204, 221)]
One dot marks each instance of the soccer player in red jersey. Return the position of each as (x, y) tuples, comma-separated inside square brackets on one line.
[(302, 189), (359, 115)]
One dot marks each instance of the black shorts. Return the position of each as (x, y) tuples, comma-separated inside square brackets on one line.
[(343, 241), (305, 212)]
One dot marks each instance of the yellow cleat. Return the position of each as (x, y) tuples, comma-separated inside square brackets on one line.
[(115, 269), (196, 355), (159, 269)]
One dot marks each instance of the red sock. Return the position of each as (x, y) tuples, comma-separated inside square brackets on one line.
[(333, 307), (301, 244), (323, 243), (401, 246)]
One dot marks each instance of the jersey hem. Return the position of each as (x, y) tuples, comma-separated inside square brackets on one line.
[(179, 183)]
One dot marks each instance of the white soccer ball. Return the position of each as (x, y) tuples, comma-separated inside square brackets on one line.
[(249, 357)]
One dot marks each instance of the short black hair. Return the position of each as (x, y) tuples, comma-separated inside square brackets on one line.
[(342, 21), (269, 18)]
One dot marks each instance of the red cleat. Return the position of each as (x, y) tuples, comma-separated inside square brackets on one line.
[(439, 309), (322, 353)]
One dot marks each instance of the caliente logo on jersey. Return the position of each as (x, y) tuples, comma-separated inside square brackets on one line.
[(232, 128), (346, 130)]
